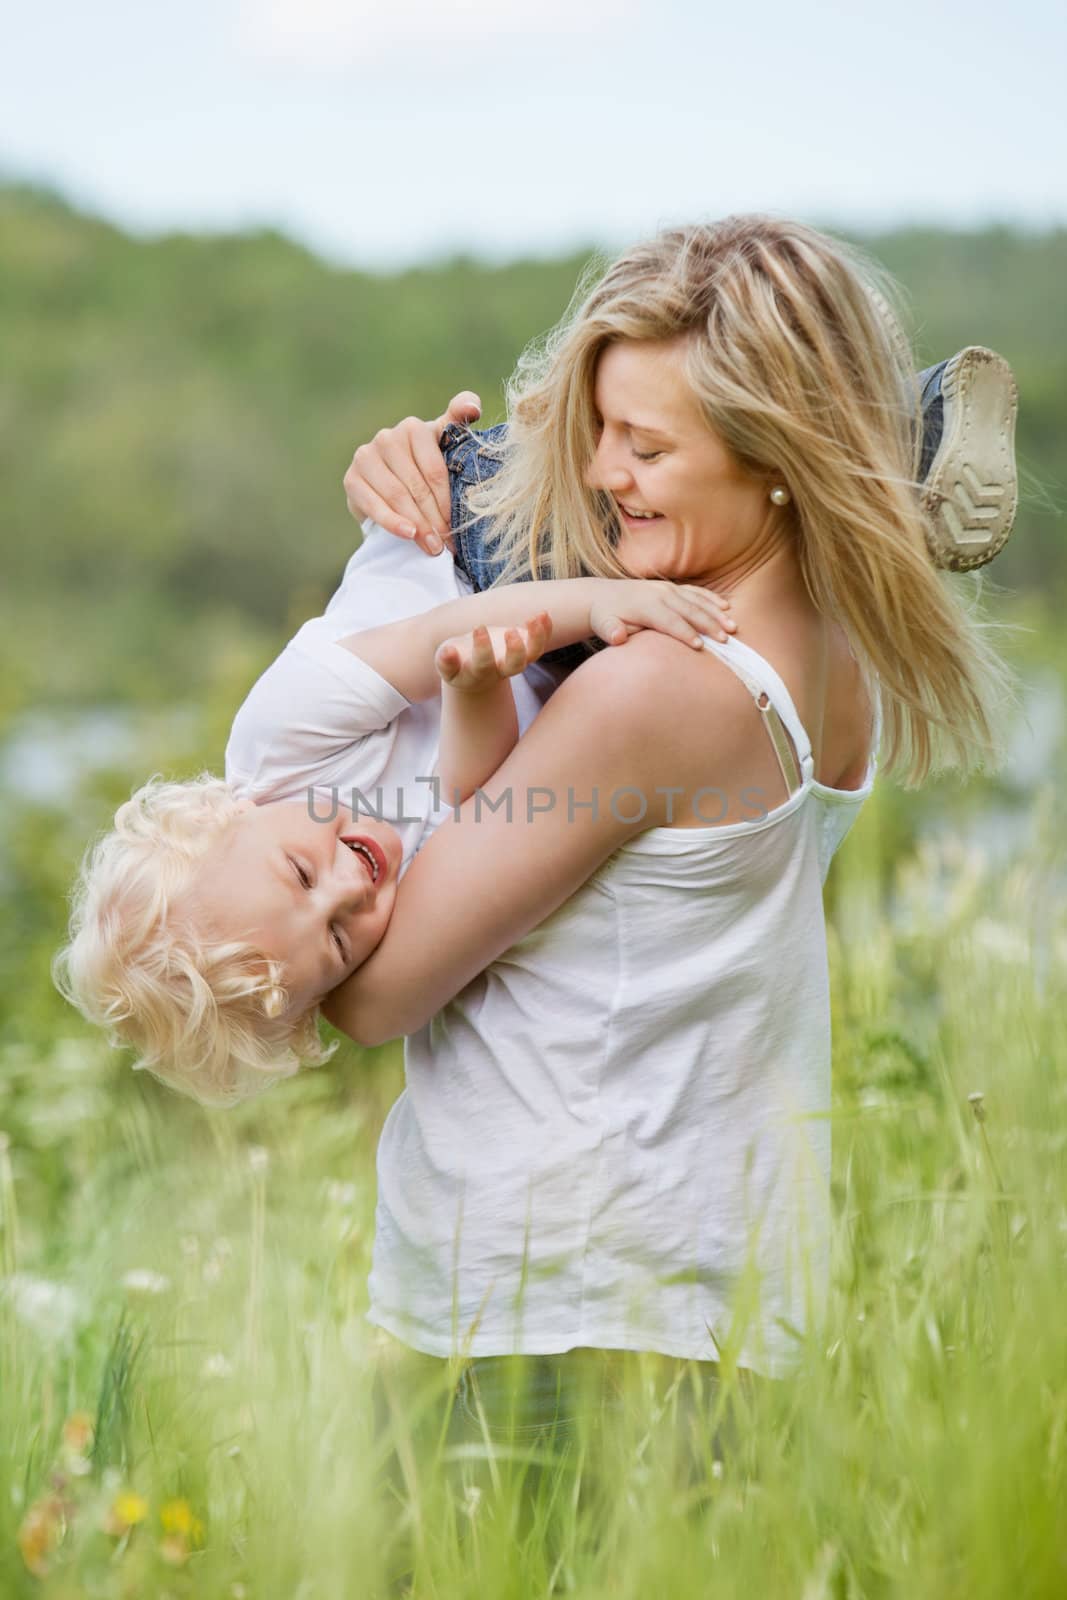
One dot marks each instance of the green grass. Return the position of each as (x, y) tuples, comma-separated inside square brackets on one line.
[(920, 1451)]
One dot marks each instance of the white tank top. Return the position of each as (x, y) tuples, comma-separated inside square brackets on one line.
[(618, 1134)]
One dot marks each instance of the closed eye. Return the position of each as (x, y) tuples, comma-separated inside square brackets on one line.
[(650, 457), (302, 874), (339, 942)]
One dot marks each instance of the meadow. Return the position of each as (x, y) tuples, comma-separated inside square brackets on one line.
[(191, 1400)]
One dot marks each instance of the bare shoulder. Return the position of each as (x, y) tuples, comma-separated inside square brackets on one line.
[(676, 710), (652, 679)]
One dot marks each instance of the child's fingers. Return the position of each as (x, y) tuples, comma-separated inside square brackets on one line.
[(612, 629), (683, 620), (538, 633), (695, 591), (448, 661), (482, 656), (705, 614), (514, 653)]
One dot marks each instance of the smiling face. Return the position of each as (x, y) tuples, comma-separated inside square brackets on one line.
[(687, 509), (299, 891)]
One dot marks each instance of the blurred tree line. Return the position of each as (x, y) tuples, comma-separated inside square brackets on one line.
[(176, 415)]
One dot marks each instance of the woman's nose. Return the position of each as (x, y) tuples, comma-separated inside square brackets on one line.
[(606, 471)]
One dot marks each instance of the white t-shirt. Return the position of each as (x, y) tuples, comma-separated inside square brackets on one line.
[(601, 1126), (321, 718)]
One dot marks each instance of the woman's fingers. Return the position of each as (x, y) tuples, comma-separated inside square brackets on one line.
[(374, 490), (400, 480), (433, 476), (463, 407), (373, 506), (413, 453), (410, 452)]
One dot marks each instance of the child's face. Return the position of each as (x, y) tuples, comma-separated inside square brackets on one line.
[(297, 889)]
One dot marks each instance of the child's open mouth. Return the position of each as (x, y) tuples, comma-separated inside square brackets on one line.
[(370, 852)]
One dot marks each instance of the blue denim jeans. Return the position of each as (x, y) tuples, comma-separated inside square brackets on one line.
[(471, 458)]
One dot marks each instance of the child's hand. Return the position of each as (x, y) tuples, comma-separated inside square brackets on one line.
[(475, 661), (626, 605)]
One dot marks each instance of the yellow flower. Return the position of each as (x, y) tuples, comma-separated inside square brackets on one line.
[(128, 1509), (177, 1517)]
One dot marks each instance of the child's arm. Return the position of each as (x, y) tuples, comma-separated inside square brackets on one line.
[(610, 608), (479, 725)]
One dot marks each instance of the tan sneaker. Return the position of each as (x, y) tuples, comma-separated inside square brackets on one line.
[(970, 492)]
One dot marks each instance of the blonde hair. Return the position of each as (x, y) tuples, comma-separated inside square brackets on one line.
[(797, 359), (207, 1017)]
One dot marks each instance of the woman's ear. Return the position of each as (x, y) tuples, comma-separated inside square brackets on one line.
[(244, 804)]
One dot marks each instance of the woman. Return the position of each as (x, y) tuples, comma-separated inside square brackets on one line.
[(613, 974)]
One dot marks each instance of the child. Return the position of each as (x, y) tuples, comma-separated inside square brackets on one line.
[(209, 925)]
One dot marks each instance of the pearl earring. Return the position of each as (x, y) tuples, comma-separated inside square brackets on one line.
[(780, 495), (273, 1002)]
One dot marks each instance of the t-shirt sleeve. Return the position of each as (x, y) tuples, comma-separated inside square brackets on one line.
[(317, 715)]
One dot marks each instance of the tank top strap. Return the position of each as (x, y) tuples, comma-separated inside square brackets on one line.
[(775, 705)]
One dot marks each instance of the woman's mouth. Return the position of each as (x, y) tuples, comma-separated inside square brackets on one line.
[(369, 852), (634, 515)]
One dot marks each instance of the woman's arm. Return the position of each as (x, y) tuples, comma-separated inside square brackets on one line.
[(610, 739)]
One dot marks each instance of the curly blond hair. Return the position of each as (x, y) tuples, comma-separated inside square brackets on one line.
[(797, 358), (207, 1018)]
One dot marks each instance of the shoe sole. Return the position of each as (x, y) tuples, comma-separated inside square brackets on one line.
[(971, 491)]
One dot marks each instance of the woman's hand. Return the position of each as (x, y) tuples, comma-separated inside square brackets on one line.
[(623, 606), (400, 479), (477, 661)]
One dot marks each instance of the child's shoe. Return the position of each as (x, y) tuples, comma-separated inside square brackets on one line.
[(969, 485)]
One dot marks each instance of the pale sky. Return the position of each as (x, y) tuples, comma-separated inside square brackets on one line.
[(386, 134)]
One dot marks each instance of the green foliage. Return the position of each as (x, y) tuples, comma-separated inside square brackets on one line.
[(215, 1272), (176, 415), (175, 418)]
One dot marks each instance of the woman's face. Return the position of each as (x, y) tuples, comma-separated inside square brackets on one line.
[(687, 510)]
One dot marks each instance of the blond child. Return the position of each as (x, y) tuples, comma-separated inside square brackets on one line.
[(211, 922)]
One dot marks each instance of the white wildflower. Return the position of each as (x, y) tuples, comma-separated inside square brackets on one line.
[(472, 1499), (219, 1254), (216, 1366), (53, 1311), (142, 1280)]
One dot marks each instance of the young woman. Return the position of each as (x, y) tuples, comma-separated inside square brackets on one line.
[(615, 1134)]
